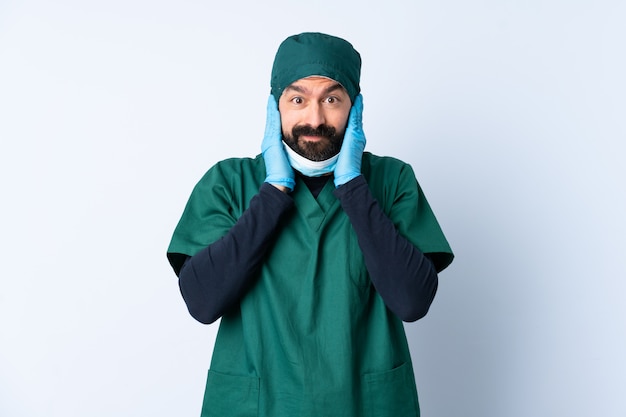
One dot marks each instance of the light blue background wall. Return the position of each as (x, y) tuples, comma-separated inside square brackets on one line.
[(511, 112)]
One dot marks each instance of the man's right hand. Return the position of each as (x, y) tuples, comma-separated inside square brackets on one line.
[(279, 172)]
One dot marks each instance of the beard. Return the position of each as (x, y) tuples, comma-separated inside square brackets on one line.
[(321, 150)]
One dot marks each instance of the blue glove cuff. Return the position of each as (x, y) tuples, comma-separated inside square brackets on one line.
[(285, 182), (341, 180)]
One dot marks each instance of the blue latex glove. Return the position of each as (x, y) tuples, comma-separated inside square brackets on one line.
[(277, 168), (349, 161)]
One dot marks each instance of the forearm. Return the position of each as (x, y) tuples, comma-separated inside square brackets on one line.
[(403, 276), (216, 278)]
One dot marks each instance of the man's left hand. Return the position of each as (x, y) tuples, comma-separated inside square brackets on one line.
[(349, 162)]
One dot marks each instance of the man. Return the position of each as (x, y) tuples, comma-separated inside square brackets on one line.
[(311, 254)]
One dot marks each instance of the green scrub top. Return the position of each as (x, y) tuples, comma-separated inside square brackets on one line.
[(311, 337)]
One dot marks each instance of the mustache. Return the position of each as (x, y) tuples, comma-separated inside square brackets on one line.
[(308, 130)]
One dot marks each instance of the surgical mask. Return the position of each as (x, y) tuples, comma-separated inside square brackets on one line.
[(307, 167)]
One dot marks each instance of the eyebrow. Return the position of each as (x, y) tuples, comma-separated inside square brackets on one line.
[(302, 90)]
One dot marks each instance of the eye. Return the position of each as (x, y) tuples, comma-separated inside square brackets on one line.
[(332, 100), (297, 100)]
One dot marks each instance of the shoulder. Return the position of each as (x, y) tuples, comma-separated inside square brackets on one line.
[(231, 179), (386, 170), (389, 179), (234, 169), (385, 163), (236, 166)]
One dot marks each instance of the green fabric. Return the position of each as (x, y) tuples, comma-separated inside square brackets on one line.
[(311, 337), (308, 54)]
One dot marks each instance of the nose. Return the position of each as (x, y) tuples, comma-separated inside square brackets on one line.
[(315, 115)]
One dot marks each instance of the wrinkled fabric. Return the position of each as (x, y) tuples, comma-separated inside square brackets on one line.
[(311, 337)]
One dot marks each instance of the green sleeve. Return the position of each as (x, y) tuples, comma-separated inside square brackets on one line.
[(216, 203), (394, 185)]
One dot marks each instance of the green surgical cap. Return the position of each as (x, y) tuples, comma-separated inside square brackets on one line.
[(309, 54)]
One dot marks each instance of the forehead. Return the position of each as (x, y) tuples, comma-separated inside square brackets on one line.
[(315, 84)]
